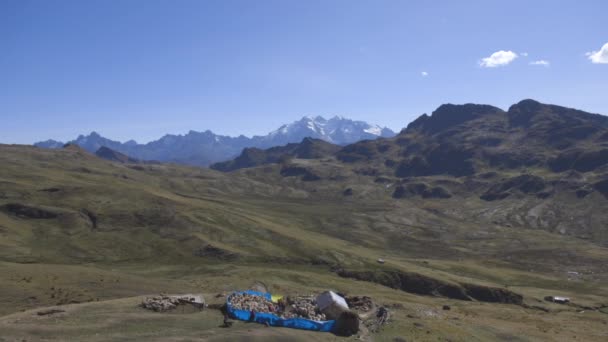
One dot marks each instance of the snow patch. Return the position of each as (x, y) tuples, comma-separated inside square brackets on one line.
[(375, 130)]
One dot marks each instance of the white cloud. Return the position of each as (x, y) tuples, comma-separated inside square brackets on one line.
[(524, 54), (541, 62), (424, 74), (498, 58), (599, 57)]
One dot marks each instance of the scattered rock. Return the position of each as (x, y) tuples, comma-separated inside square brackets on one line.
[(163, 303), (524, 183), (360, 303), (295, 171), (446, 307), (420, 189)]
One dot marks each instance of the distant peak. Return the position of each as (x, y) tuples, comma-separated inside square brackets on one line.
[(450, 115), (317, 118), (308, 140), (73, 147), (450, 108), (528, 101), (527, 105)]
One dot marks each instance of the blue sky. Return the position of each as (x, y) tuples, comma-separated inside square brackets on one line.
[(140, 69)]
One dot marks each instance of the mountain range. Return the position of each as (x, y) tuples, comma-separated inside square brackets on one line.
[(535, 162), (462, 140), (205, 148), (470, 219)]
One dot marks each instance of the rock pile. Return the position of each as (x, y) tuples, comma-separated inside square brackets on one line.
[(304, 307), (249, 302), (296, 307), (163, 303), (360, 303)]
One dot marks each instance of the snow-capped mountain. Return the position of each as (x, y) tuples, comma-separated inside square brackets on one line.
[(205, 148), (337, 130)]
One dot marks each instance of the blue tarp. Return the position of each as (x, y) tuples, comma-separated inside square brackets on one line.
[(274, 320)]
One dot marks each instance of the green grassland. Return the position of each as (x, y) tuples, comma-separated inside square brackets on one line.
[(117, 232)]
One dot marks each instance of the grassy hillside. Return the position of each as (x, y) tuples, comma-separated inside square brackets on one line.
[(78, 229)]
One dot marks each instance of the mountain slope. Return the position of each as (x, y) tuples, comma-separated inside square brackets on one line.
[(205, 148), (534, 166), (111, 155), (468, 139), (307, 149)]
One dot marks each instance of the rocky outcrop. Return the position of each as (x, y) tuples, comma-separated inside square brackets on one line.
[(210, 251), (308, 148), (30, 212), (364, 150), (446, 158), (424, 285), (114, 156), (408, 282), (420, 189), (602, 187), (299, 171), (492, 294), (579, 160), (449, 115), (523, 183)]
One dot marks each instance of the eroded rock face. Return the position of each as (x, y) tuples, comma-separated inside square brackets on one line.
[(424, 285), (307, 149), (602, 187), (408, 282), (295, 171), (210, 251), (579, 160), (449, 115), (446, 158), (360, 151), (493, 294), (420, 189), (512, 159), (524, 183), (25, 211)]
